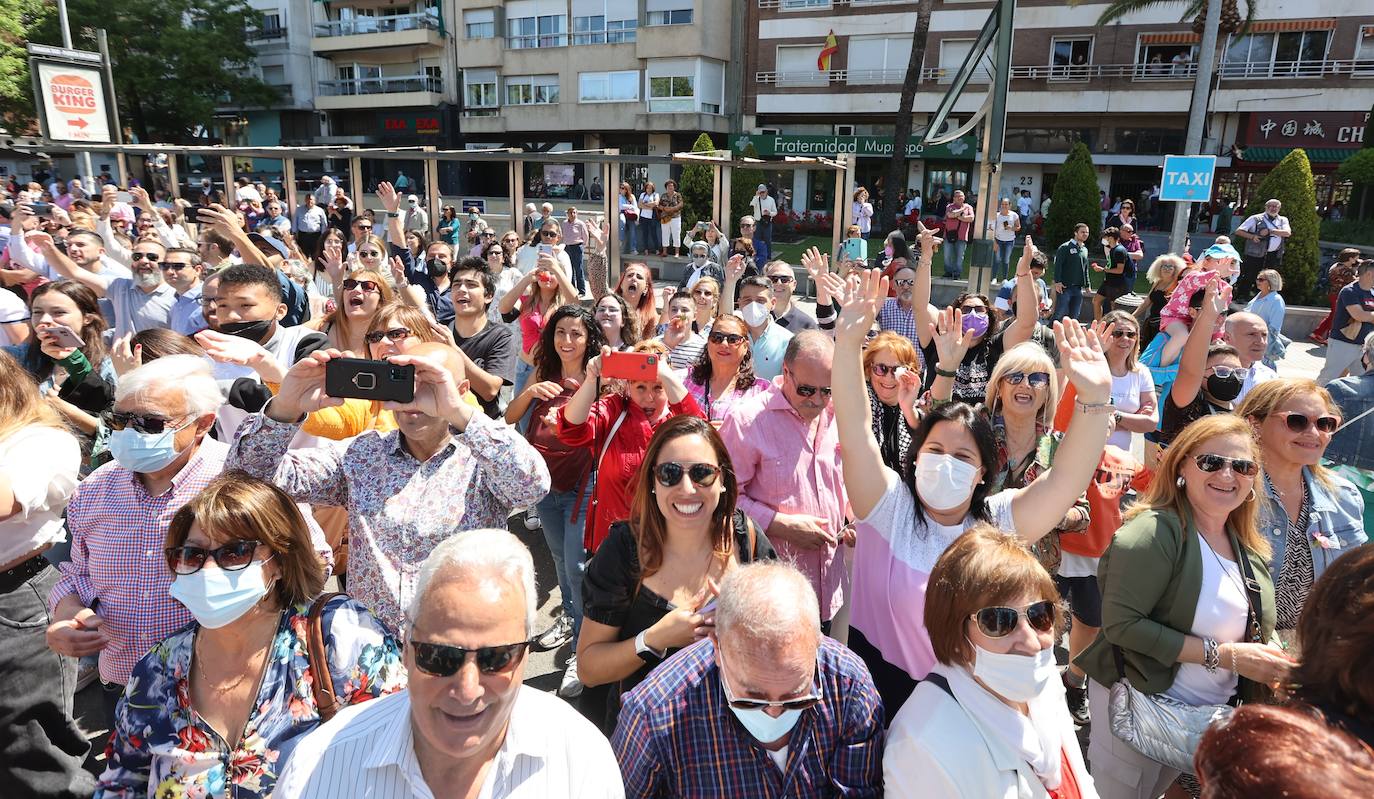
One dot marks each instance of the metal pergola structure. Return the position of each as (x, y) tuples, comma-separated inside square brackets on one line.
[(609, 163)]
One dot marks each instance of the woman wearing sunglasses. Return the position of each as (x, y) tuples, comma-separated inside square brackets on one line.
[(356, 300), (1133, 387), (894, 385), (906, 518), (724, 374), (1163, 275), (989, 720), (369, 252), (225, 700), (501, 267), (1310, 515), (651, 588), (1210, 376), (1187, 598)]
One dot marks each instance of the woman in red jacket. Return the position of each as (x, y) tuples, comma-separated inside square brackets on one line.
[(617, 428)]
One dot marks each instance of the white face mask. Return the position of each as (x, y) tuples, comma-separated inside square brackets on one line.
[(699, 260), (216, 597), (944, 482), (754, 313), (1019, 678)]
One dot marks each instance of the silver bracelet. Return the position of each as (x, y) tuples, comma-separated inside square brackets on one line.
[(1211, 654)]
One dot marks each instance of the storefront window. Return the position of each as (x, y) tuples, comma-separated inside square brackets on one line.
[(1048, 140), (943, 177)]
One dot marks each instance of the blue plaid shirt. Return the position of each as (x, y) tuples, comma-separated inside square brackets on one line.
[(678, 738)]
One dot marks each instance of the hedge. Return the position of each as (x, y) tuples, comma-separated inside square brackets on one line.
[(1290, 182), (1076, 199)]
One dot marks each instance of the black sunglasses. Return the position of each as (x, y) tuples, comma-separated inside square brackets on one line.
[(968, 309), (173, 266), (118, 420), (151, 257), (904, 282), (1036, 379), (1215, 463), (999, 622), (1131, 334), (1301, 422), (442, 660), (780, 278), (800, 703), (231, 557), (369, 253), (669, 473), (394, 334), (548, 234), (366, 285), (725, 338), (810, 391)]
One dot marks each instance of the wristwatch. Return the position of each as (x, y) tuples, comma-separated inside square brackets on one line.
[(645, 653)]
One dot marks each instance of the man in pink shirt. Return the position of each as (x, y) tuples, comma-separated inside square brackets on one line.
[(785, 449)]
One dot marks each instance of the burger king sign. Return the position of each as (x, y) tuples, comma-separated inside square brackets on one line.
[(73, 99)]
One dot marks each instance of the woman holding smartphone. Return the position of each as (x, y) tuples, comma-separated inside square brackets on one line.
[(533, 298)]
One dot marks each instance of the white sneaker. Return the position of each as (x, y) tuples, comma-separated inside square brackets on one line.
[(532, 521), (571, 686)]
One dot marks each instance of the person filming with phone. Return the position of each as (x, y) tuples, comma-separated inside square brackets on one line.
[(387, 481)]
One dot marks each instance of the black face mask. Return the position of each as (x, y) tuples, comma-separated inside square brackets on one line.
[(1223, 388), (436, 268), (253, 331)]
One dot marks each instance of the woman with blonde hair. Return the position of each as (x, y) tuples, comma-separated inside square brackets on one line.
[(1163, 275), (1310, 515), (1269, 306), (706, 294), (1187, 597), (369, 252), (356, 300), (893, 371)]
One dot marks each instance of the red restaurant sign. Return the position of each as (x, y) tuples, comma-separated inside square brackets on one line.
[(1306, 129)]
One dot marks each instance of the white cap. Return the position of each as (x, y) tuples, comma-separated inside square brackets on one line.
[(412, 199), (761, 187)]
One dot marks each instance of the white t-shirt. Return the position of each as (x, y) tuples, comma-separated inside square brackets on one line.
[(41, 464), (12, 309), (646, 201), (1220, 615), (1126, 393), (1004, 227), (1023, 205)]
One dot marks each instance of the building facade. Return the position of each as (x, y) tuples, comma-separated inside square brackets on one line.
[(1302, 76)]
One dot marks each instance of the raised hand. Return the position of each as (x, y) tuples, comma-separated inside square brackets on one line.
[(386, 192), (398, 272), (1213, 298), (333, 260), (124, 355), (141, 198), (928, 241), (1080, 353), (1027, 253), (815, 262), (832, 285), (734, 268), (225, 348), (302, 390), (857, 316), (951, 340)]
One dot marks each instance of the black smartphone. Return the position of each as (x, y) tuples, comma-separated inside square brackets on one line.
[(371, 380), (41, 209)]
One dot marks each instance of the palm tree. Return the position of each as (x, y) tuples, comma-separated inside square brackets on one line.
[(895, 178), (1231, 21)]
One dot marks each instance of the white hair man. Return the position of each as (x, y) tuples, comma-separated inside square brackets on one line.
[(1264, 234), (765, 678), (466, 726)]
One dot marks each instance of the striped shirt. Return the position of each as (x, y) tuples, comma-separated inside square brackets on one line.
[(677, 737), (118, 532), (368, 751)]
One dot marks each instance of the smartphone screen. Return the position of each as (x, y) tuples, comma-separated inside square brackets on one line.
[(123, 197), (41, 209), (546, 249)]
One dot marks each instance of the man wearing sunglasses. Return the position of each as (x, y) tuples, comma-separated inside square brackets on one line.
[(803, 698), (181, 270), (466, 726), (784, 281), (140, 303), (1249, 334), (785, 448)]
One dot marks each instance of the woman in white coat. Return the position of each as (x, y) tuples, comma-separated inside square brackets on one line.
[(989, 721)]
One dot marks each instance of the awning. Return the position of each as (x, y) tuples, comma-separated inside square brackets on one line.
[(1317, 155), (1178, 37), (1289, 25)]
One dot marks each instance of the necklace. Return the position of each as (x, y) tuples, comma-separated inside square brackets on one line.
[(248, 662)]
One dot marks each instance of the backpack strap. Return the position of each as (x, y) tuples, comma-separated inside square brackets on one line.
[(939, 681), (594, 474), (322, 684)]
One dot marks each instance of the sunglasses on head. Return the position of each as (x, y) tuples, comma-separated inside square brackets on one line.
[(151, 257), (725, 338), (999, 622), (231, 557), (442, 660), (1035, 379), (118, 420), (1301, 422), (366, 285), (904, 282), (669, 473), (394, 334), (883, 369), (1215, 463), (1131, 334)]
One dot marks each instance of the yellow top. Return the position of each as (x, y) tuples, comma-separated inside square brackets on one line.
[(355, 417)]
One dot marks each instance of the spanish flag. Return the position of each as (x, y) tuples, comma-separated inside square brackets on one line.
[(830, 48)]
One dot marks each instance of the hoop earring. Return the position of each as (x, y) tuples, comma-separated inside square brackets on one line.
[(1253, 495), (1180, 482)]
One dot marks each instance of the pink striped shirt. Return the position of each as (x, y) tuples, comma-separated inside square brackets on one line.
[(784, 465)]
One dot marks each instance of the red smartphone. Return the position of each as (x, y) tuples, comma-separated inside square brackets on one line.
[(632, 366)]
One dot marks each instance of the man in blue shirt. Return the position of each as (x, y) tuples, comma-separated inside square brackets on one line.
[(767, 339), (1353, 323)]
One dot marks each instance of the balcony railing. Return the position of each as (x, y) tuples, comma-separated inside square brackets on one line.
[(409, 83), (362, 25), (264, 34), (536, 41), (1079, 73)]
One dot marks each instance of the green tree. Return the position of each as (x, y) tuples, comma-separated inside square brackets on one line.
[(175, 61), (696, 185), (743, 186), (1075, 199), (1290, 182), (1359, 170), (17, 17), (1231, 21)]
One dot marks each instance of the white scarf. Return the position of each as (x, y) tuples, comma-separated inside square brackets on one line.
[(1038, 739)]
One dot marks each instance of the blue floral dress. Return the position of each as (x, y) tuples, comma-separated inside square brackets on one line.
[(162, 748)]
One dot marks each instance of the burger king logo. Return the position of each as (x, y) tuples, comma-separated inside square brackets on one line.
[(72, 94)]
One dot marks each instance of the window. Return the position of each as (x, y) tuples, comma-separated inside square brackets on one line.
[(271, 26), (275, 76), (479, 23), (673, 93), (589, 30), (1047, 140), (802, 5), (952, 55), (536, 23), (1070, 57), (608, 87), (1279, 55), (878, 59), (1148, 141), (1166, 61), (604, 21), (532, 90), (668, 12), (685, 85), (479, 88), (1364, 53), (796, 66)]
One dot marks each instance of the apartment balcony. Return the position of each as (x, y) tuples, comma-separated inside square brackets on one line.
[(367, 33), (404, 91), (261, 36)]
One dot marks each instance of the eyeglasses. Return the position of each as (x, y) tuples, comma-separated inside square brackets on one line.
[(968, 309), (746, 227), (1228, 371), (1131, 334), (1301, 422), (669, 473), (441, 660), (153, 425), (394, 334), (780, 278), (548, 234), (703, 293), (366, 285), (171, 266), (999, 622), (799, 703), (369, 253), (884, 369), (1035, 379), (810, 391), (150, 257), (231, 557), (1215, 463), (904, 282), (725, 338)]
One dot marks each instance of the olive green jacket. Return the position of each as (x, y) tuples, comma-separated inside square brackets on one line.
[(1150, 578)]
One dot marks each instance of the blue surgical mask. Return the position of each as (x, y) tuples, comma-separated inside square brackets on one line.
[(145, 452), (765, 728), (217, 597)]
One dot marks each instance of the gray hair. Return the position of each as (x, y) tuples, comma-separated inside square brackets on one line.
[(190, 373), (1273, 277), (808, 342), (768, 602), (480, 556)]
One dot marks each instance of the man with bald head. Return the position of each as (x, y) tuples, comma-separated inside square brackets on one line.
[(785, 448), (1249, 334), (765, 706), (447, 467)]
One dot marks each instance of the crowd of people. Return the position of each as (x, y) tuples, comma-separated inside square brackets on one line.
[(797, 554)]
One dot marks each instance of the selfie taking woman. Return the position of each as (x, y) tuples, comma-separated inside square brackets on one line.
[(536, 295), (650, 589)]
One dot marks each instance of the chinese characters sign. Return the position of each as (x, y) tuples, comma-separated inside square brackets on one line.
[(1314, 129)]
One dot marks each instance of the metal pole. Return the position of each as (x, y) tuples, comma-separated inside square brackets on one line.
[(1197, 114), (994, 131), (83, 157)]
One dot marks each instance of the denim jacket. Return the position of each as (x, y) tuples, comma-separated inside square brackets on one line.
[(1335, 525), (1353, 446)]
